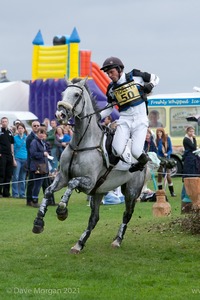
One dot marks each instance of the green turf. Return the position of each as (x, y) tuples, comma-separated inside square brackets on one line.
[(154, 261)]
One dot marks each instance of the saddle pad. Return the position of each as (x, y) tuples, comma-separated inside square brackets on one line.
[(105, 153), (127, 157)]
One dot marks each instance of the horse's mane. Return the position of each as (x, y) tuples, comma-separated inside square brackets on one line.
[(92, 97)]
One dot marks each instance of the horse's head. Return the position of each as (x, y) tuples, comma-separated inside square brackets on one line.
[(72, 103)]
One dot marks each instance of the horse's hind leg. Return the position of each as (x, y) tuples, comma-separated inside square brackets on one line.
[(57, 184), (130, 199), (94, 218)]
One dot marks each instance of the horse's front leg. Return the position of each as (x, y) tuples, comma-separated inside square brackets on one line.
[(82, 183), (94, 218), (57, 184)]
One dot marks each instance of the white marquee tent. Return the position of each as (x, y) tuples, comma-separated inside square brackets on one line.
[(14, 96)]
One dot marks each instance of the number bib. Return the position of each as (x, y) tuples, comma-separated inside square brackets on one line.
[(126, 92)]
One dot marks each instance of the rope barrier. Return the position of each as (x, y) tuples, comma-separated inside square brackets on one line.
[(53, 176), (181, 174), (27, 180)]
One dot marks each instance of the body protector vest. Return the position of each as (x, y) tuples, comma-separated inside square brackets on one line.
[(128, 93)]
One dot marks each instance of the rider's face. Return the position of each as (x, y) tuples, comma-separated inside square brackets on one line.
[(113, 74)]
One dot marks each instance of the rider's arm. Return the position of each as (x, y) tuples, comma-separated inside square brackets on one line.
[(106, 112), (154, 80), (150, 80)]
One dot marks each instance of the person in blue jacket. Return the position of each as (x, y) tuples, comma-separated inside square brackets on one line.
[(20, 170), (149, 144), (39, 152), (164, 146)]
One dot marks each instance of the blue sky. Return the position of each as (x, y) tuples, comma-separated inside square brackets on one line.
[(160, 37)]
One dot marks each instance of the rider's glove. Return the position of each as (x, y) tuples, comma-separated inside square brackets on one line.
[(148, 88)]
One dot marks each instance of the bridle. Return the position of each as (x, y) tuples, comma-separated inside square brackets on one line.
[(89, 117), (78, 100)]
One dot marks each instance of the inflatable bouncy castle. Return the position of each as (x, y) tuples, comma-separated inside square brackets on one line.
[(52, 63)]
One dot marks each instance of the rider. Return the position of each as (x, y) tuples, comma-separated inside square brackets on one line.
[(128, 91)]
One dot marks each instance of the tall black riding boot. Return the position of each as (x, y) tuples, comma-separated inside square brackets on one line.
[(171, 189), (139, 166), (160, 186)]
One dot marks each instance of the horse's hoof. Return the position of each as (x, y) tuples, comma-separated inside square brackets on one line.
[(38, 226), (62, 212), (74, 250), (115, 244)]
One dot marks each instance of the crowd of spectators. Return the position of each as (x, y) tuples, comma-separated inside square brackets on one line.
[(29, 161)]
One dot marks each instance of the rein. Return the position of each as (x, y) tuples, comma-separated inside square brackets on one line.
[(98, 111), (76, 149)]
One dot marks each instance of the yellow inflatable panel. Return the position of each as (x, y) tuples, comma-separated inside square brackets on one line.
[(73, 60), (49, 61)]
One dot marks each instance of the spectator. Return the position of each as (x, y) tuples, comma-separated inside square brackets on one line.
[(13, 130), (62, 140), (6, 158), (68, 130), (154, 119), (16, 122), (164, 146), (20, 171), (191, 163), (39, 152), (149, 144), (14, 127), (35, 126), (46, 122)]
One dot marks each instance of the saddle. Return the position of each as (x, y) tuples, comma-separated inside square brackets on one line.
[(109, 158)]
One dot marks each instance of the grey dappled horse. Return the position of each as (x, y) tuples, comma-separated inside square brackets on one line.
[(82, 164)]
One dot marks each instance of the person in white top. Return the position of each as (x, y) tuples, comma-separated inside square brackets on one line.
[(129, 91)]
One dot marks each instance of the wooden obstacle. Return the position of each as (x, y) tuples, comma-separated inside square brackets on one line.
[(192, 187), (161, 207)]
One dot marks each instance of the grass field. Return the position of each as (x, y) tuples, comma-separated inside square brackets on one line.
[(155, 261)]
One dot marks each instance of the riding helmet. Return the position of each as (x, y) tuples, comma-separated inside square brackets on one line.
[(112, 62)]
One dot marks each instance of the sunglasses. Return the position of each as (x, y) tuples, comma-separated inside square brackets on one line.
[(36, 125)]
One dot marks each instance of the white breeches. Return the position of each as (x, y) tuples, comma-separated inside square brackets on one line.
[(132, 124)]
